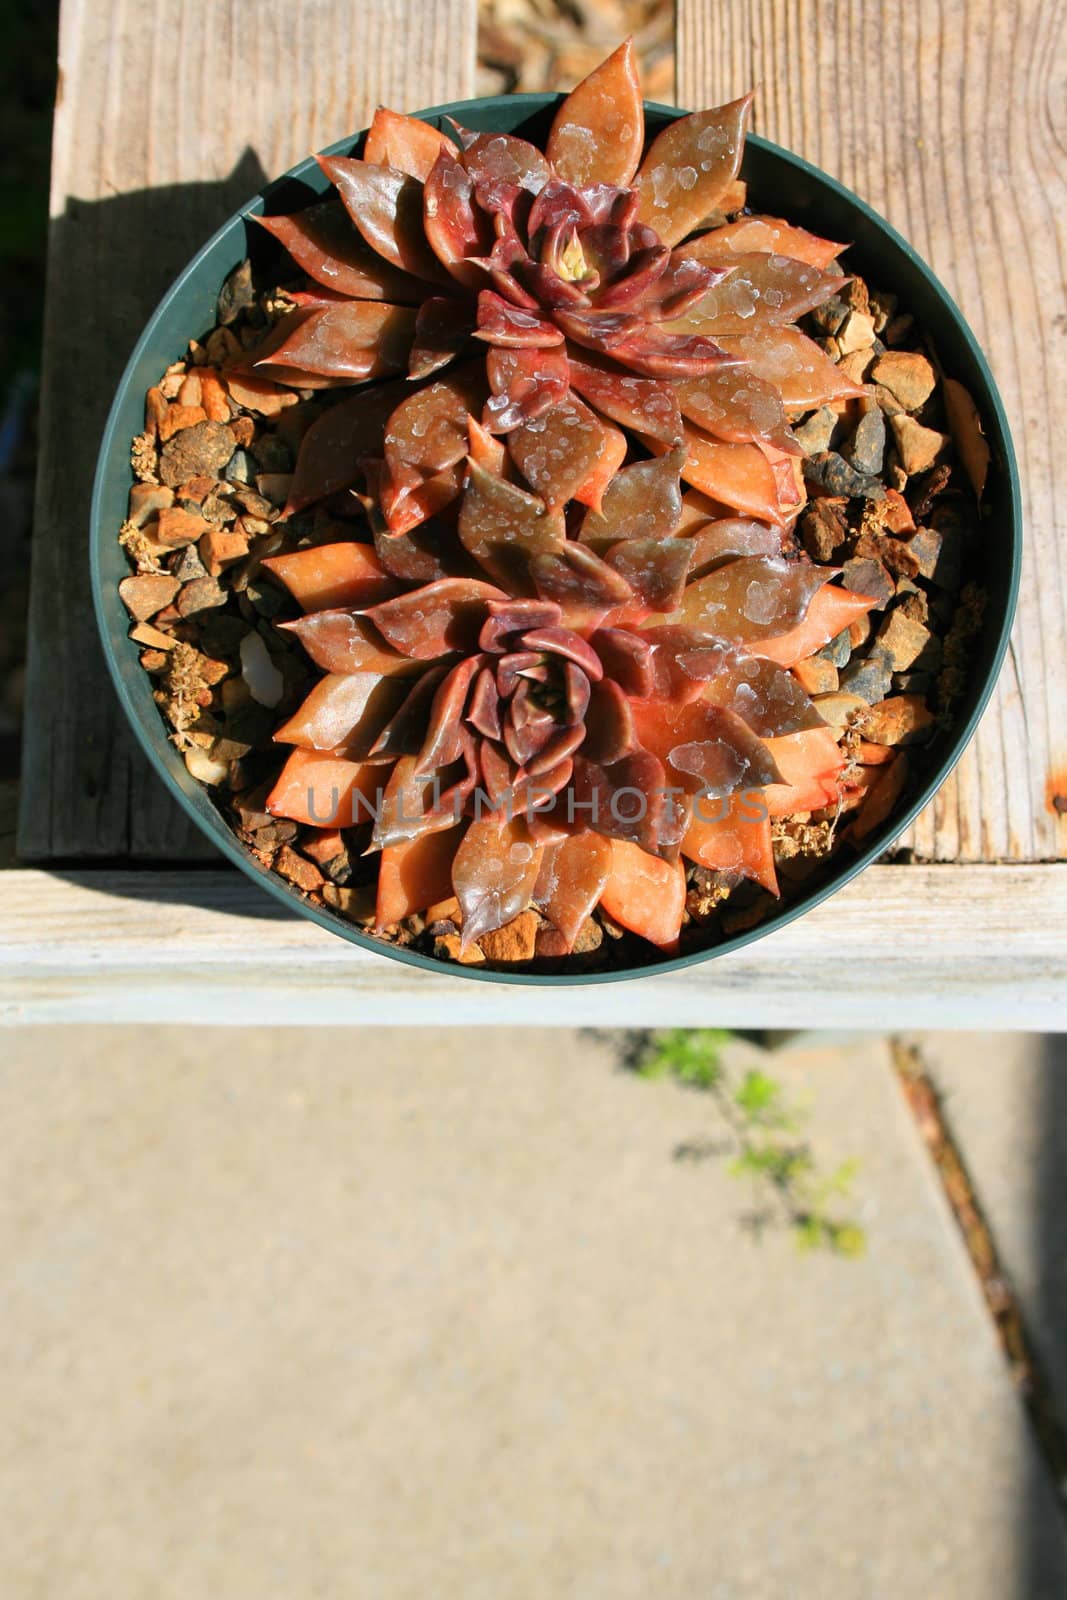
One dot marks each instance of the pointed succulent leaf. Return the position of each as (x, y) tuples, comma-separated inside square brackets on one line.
[(386, 207), (496, 774), (768, 234), (809, 763), (614, 447), (697, 512), (328, 575), (628, 799), (415, 874), (324, 789), (494, 874), (483, 712), (545, 287), (688, 168), (510, 327), (344, 713), (568, 644), (527, 727), (683, 283), (637, 281), (768, 699), (560, 204), (683, 659), (736, 475), (444, 616), (485, 451), (422, 553), (501, 158), (609, 725), (443, 743), (760, 290), (580, 583), (752, 599), (343, 641), (558, 451), (426, 441), (404, 143), (725, 757), (458, 782), (655, 569), (456, 229), (525, 383), (518, 664), (557, 748), (405, 732), (626, 658), (731, 403), (408, 499), (535, 795), (646, 895), (325, 244), (355, 340), (707, 748), (599, 130), (429, 430), (647, 348), (504, 528), (571, 880), (803, 375), (408, 808), (724, 540), (831, 611), (331, 450), (510, 617), (643, 501), (644, 404), (732, 835), (442, 328)]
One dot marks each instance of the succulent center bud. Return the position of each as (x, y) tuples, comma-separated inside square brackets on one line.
[(572, 265)]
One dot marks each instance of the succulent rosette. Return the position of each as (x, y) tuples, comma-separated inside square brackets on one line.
[(556, 653)]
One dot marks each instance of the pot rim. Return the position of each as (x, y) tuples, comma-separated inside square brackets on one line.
[(157, 747)]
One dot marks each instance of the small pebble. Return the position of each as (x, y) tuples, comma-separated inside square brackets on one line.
[(870, 679), (832, 472), (864, 575), (908, 644), (918, 447), (866, 449), (909, 377), (838, 650), (816, 434), (241, 468)]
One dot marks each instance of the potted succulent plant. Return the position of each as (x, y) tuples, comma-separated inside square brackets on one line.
[(548, 560)]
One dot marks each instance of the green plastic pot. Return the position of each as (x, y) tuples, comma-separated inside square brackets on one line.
[(779, 183)]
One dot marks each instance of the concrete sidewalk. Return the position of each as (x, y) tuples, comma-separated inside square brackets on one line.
[(385, 1314)]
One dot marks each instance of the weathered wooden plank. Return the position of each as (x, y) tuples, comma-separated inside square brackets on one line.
[(963, 947), (169, 114), (945, 117)]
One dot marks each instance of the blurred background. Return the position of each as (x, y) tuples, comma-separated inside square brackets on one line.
[(488, 1314)]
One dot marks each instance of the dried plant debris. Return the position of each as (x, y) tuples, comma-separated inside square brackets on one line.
[(569, 478)]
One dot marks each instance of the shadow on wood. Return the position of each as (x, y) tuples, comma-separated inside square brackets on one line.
[(87, 791)]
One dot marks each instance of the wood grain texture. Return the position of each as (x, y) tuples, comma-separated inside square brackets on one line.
[(950, 118), (169, 114), (149, 946)]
